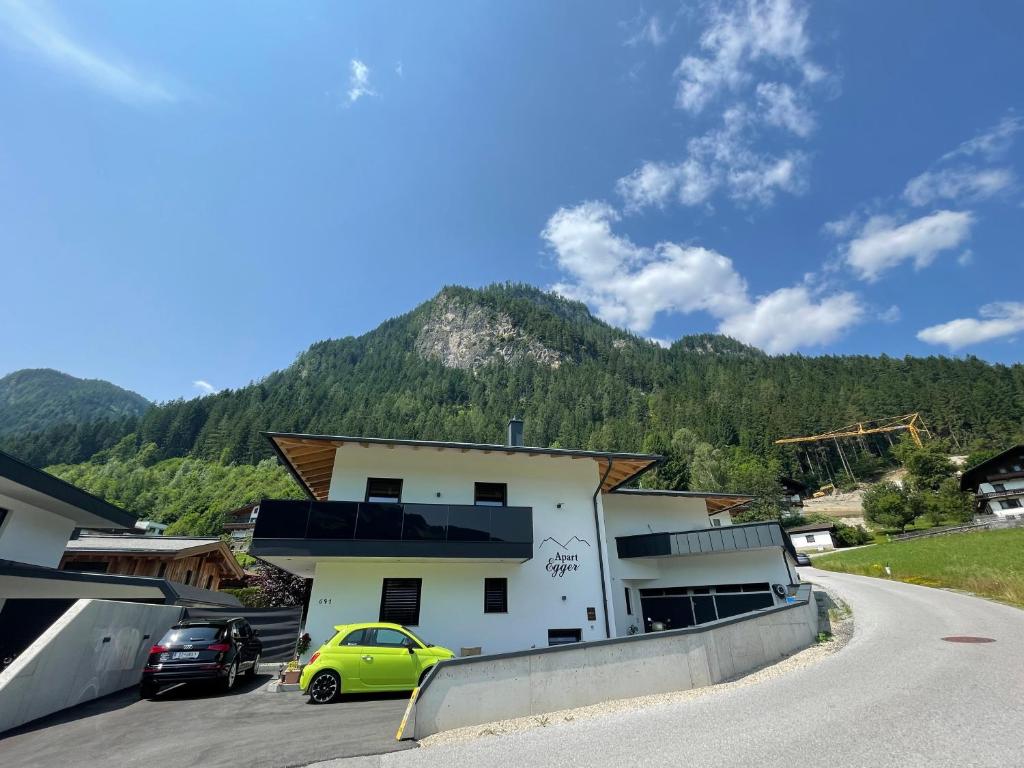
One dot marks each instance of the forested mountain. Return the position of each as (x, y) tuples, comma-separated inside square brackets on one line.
[(36, 400), (458, 366)]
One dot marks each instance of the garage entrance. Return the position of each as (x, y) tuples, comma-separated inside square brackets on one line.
[(681, 607)]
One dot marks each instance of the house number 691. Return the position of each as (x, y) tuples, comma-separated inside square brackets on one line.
[(324, 601)]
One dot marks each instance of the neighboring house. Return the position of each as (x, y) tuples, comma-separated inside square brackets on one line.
[(150, 528), (793, 493), (39, 513), (998, 484), (239, 524), (190, 560), (814, 537), (506, 547)]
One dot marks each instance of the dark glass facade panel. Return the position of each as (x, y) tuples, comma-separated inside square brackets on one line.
[(469, 523), (332, 520), (511, 524), (425, 522), (379, 522), (733, 605), (280, 519), (703, 609)]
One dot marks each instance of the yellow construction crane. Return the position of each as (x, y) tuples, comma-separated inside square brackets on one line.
[(908, 422)]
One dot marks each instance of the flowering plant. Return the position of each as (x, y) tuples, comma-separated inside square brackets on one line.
[(304, 642)]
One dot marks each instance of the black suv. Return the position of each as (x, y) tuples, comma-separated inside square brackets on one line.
[(202, 649)]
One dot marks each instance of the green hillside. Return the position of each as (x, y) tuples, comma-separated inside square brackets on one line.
[(459, 365)]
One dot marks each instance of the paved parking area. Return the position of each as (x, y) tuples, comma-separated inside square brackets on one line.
[(185, 727)]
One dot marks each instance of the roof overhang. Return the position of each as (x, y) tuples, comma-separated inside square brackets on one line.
[(310, 458), (81, 546), (715, 502), (24, 483)]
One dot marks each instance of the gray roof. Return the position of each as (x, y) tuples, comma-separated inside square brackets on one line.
[(139, 544), (811, 527), (27, 484)]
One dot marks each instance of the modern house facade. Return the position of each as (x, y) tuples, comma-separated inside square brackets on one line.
[(490, 548), (998, 484), (813, 537)]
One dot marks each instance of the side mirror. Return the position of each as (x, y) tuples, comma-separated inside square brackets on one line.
[(411, 649)]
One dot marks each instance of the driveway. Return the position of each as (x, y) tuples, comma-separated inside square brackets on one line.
[(896, 695), (184, 728)]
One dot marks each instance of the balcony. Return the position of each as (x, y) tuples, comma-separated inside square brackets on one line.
[(704, 541), (328, 529)]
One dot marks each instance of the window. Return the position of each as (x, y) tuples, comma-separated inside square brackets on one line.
[(163, 569), (355, 638), (385, 490), (810, 538), (564, 636), (86, 566), (998, 487), (392, 638), (495, 595), (490, 494), (209, 581), (629, 603), (400, 601), (716, 523), (1011, 503), (188, 577)]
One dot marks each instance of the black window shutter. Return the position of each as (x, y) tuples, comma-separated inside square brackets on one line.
[(400, 601), (495, 595)]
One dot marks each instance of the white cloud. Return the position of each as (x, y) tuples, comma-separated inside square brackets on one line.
[(998, 320), (204, 386), (34, 27), (891, 315), (630, 285), (991, 143), (783, 107), (966, 258), (883, 244), (720, 160), (956, 184), (359, 81), (791, 318), (842, 227), (648, 30), (756, 30)]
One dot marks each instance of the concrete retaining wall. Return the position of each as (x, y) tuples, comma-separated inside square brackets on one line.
[(476, 690), (97, 647)]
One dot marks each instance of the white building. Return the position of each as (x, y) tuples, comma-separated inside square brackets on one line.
[(998, 484), (814, 537), (507, 547)]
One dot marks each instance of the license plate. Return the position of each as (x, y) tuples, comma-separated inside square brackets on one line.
[(185, 655)]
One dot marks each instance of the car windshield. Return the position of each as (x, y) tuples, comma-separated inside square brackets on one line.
[(416, 637), (200, 634)]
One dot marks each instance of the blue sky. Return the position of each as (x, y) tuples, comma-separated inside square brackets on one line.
[(195, 192)]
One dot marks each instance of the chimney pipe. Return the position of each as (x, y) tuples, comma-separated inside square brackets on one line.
[(515, 432)]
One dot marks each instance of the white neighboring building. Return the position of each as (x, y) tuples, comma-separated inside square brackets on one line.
[(998, 484), (814, 537), (508, 547)]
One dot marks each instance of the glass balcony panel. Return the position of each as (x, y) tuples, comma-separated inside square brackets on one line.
[(511, 524), (282, 519), (469, 523), (332, 520), (379, 522), (425, 522)]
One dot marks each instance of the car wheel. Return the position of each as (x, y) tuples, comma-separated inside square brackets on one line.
[(423, 676), (255, 668), (227, 683), (147, 690), (324, 687)]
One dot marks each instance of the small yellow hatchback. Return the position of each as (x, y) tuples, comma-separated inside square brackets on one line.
[(369, 657)]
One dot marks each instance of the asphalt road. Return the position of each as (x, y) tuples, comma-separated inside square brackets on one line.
[(896, 695), (185, 728)]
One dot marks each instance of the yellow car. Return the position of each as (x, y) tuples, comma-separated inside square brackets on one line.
[(369, 657)]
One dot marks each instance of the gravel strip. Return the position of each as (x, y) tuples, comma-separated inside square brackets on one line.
[(842, 629)]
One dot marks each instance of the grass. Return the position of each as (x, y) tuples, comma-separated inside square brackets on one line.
[(987, 563)]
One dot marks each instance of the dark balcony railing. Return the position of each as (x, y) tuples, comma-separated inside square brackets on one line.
[(703, 541), (349, 528)]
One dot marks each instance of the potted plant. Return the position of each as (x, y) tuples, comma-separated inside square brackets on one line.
[(291, 672)]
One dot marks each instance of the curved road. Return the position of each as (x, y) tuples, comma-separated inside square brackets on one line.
[(896, 695)]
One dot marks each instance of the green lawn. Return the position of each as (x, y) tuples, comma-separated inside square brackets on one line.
[(987, 563)]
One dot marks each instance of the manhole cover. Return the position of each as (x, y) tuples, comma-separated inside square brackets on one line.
[(968, 639)]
